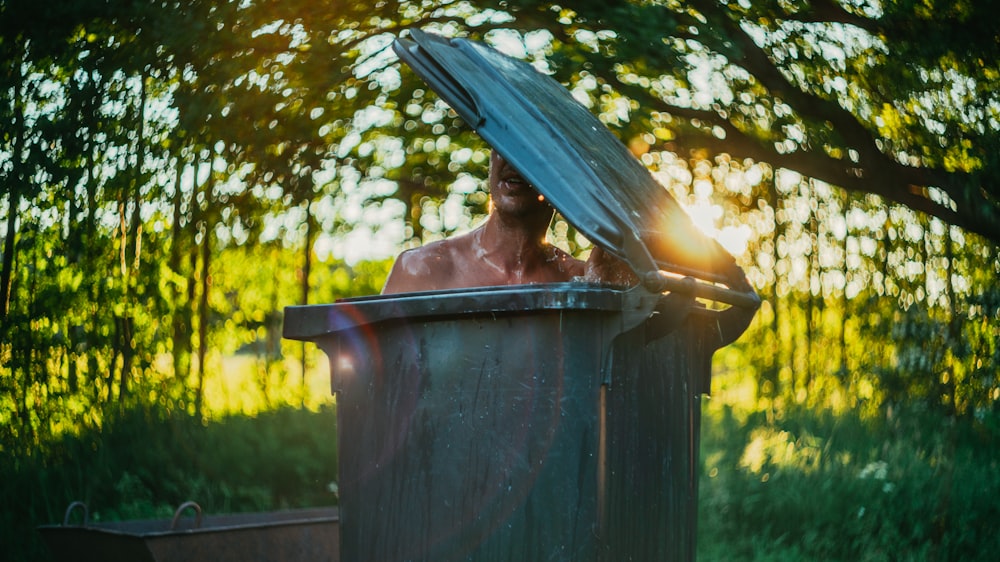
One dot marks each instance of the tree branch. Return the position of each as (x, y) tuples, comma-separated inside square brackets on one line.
[(826, 11)]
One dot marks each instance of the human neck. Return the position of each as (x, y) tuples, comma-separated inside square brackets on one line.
[(513, 246)]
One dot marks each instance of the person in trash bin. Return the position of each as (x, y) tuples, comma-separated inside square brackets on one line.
[(510, 248)]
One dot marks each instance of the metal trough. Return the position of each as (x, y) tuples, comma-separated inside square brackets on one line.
[(305, 534)]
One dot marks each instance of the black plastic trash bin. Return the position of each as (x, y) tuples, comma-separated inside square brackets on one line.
[(541, 422), (537, 422)]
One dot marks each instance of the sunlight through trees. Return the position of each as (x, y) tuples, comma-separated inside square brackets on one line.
[(177, 172)]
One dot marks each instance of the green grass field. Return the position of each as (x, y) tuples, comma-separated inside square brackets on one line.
[(776, 485)]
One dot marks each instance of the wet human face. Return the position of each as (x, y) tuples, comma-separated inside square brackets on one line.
[(510, 193)]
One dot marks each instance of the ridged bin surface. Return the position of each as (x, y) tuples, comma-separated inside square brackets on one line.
[(552, 422)]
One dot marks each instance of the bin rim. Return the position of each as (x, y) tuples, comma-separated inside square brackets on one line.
[(310, 322), (627, 307)]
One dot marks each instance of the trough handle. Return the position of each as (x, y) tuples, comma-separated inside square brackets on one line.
[(180, 510), (73, 506)]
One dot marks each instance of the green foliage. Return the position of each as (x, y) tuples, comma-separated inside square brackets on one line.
[(148, 142), (175, 172), (813, 485), (146, 462)]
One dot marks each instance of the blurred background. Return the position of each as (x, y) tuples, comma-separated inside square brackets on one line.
[(176, 172)]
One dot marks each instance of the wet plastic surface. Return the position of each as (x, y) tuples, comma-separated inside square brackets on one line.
[(539, 422)]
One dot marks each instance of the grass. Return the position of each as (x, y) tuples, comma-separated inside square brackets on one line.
[(817, 485), (777, 485), (263, 445)]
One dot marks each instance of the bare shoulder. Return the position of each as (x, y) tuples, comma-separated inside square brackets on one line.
[(422, 269)]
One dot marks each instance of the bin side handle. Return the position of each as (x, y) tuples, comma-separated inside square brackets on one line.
[(743, 296), (180, 510), (69, 512), (731, 323), (669, 314)]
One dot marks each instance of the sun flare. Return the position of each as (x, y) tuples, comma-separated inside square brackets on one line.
[(705, 215)]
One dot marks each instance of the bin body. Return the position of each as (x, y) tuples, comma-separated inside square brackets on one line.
[(552, 422)]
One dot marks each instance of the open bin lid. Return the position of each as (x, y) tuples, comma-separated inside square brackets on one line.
[(573, 160)]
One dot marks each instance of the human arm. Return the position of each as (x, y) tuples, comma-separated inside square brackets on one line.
[(605, 269)]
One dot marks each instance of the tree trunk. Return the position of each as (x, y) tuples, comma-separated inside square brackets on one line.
[(181, 321), (135, 219), (813, 270), (844, 300), (306, 270), (205, 282), (774, 358), (132, 231), (7, 272), (123, 338), (192, 285), (886, 252)]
